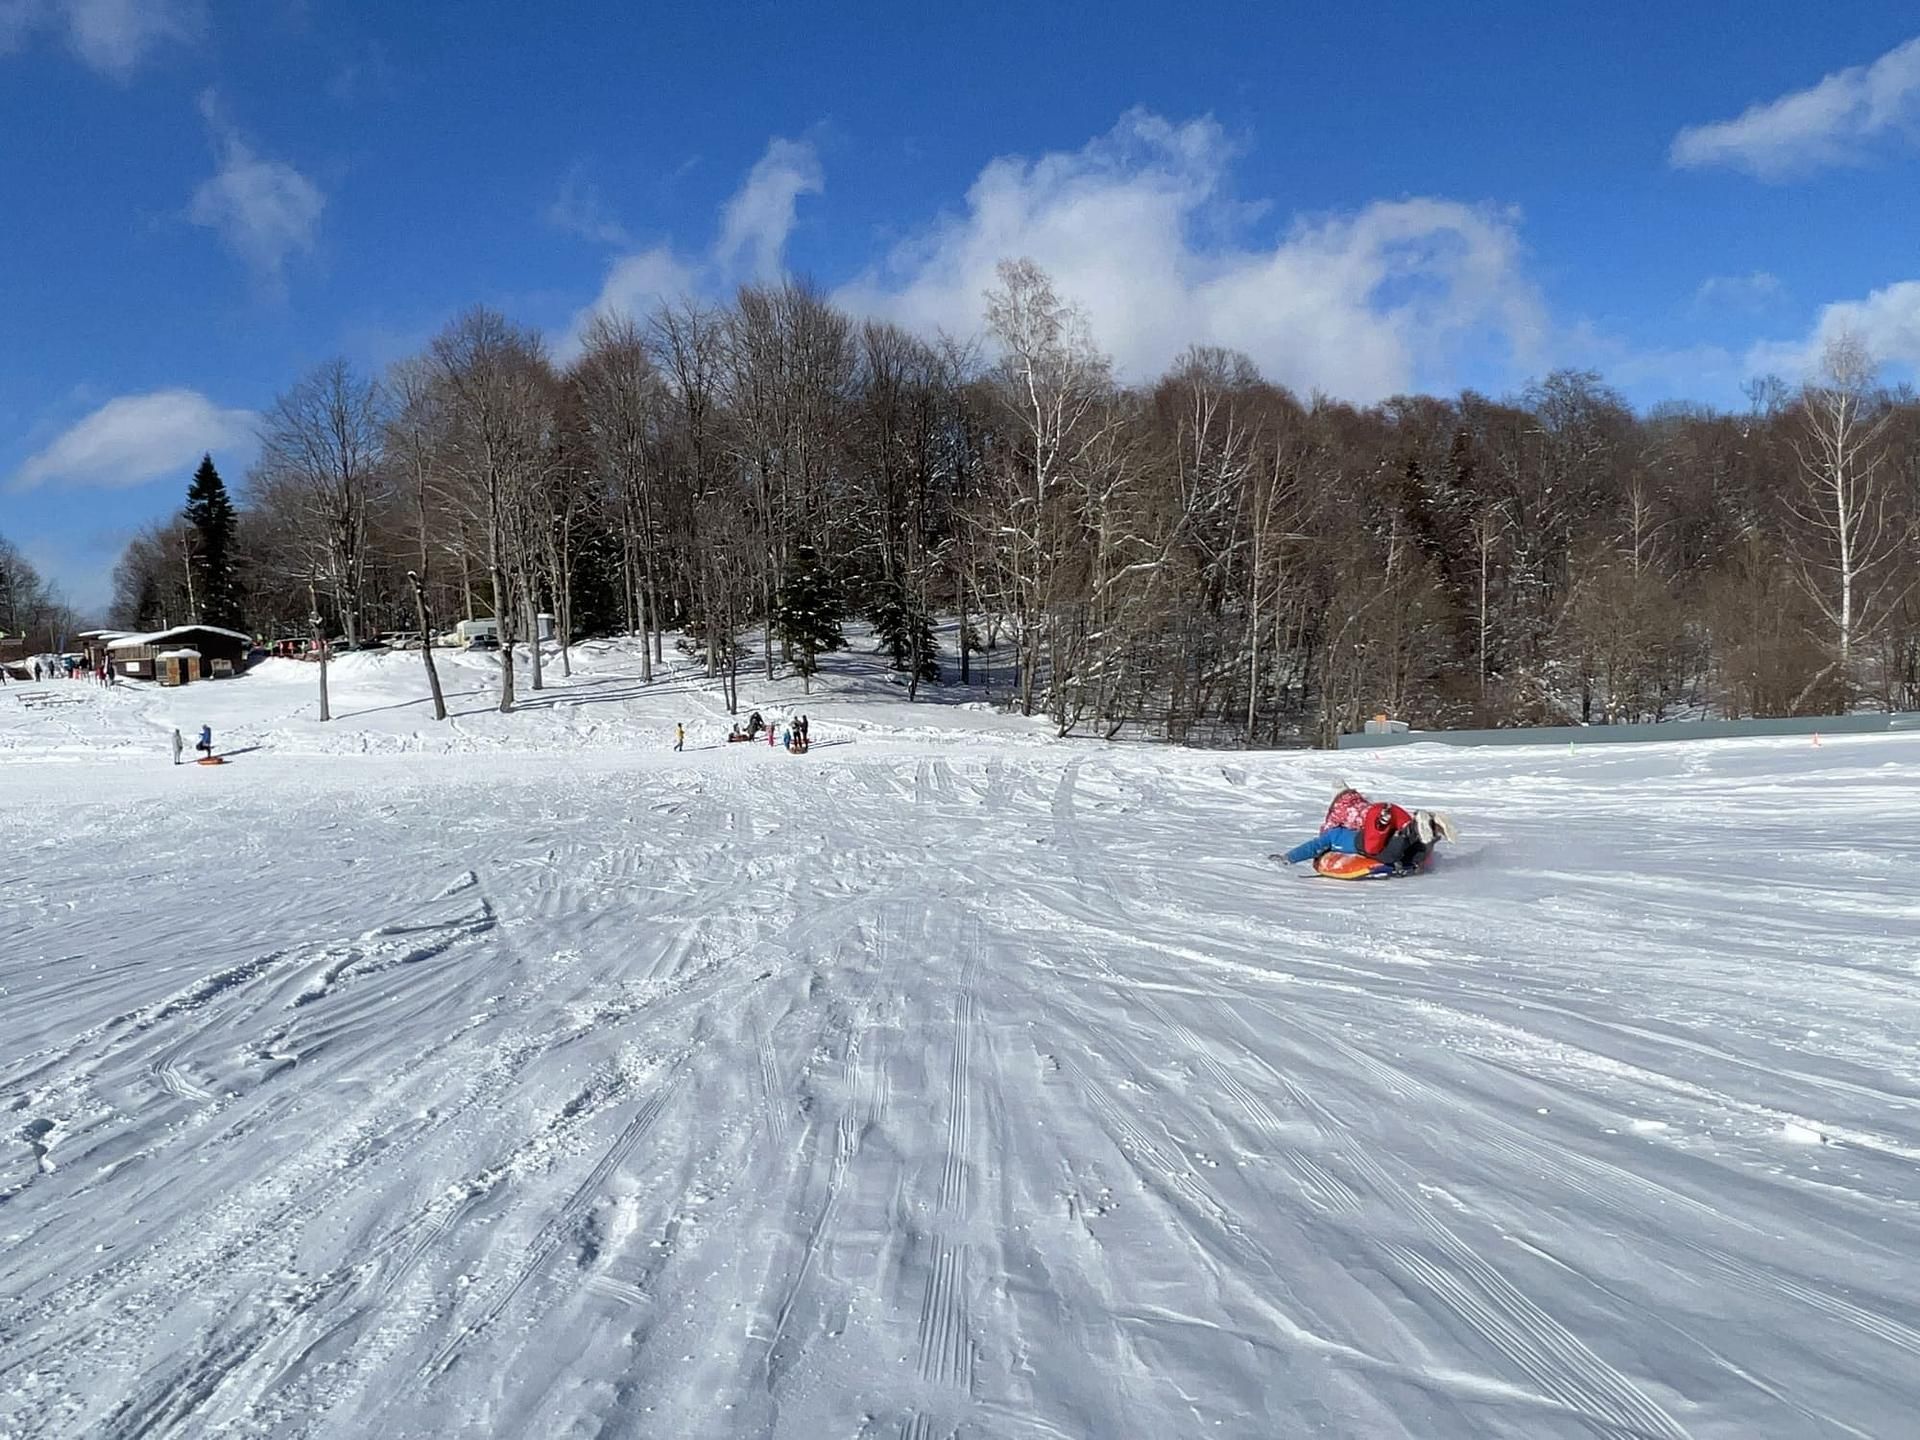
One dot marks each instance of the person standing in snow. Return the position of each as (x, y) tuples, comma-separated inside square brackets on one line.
[(179, 745), (679, 737), (205, 743)]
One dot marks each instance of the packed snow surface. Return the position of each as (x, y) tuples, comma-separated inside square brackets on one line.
[(521, 1077)]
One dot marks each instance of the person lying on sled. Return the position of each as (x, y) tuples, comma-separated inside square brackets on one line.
[(1355, 825)]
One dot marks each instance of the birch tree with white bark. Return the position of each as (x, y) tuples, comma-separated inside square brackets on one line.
[(1845, 529)]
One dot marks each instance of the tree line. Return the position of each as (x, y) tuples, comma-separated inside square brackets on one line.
[(34, 618), (1206, 557)]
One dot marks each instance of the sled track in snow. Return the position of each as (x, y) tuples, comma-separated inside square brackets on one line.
[(565, 1221)]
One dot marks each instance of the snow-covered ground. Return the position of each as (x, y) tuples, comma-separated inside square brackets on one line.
[(520, 1077)]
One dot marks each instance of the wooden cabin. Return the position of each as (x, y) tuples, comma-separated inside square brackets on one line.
[(214, 653)]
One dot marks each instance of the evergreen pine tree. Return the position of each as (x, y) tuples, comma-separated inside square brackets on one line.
[(807, 618), (905, 630), (146, 608), (210, 512)]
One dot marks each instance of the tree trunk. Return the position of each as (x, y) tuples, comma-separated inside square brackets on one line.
[(966, 653), (563, 621), (503, 612), (186, 565), (426, 642), (766, 603), (646, 640), (320, 642), (533, 638)]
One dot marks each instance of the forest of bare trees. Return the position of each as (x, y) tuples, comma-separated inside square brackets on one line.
[(1206, 558), (33, 616)]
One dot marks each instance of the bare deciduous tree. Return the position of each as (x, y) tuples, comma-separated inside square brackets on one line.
[(497, 396), (1845, 531), (319, 474)]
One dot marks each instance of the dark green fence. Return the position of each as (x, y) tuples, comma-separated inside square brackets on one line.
[(1665, 730)]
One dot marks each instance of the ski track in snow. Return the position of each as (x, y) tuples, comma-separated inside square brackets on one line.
[(937, 1087)]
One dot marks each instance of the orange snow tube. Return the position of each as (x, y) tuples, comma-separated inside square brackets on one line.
[(1337, 865)]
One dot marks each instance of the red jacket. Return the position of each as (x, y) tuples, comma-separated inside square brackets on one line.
[(1376, 823), (1382, 822)]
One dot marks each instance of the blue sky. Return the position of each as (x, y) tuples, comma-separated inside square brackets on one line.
[(203, 198)]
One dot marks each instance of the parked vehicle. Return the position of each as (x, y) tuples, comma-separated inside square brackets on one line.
[(483, 642)]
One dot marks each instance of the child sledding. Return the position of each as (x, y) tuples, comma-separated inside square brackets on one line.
[(1362, 839)]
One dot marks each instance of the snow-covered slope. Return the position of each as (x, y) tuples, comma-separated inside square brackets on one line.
[(380, 706), (944, 1080)]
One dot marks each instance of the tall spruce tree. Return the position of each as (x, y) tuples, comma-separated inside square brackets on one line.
[(210, 512), (905, 632), (807, 617)]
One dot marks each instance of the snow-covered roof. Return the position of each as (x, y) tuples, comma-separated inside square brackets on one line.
[(160, 637), (178, 655), (101, 634)]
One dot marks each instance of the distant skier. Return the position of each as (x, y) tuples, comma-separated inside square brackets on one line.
[(679, 737), (205, 743), (1355, 825), (179, 745)]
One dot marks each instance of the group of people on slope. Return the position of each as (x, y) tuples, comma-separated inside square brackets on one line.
[(1356, 825), (795, 735)]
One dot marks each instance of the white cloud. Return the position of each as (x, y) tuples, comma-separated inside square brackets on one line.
[(1750, 292), (1826, 124), (112, 36), (580, 210), (265, 210), (1136, 227), (758, 219), (1887, 322), (635, 285), (755, 222), (134, 438)]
